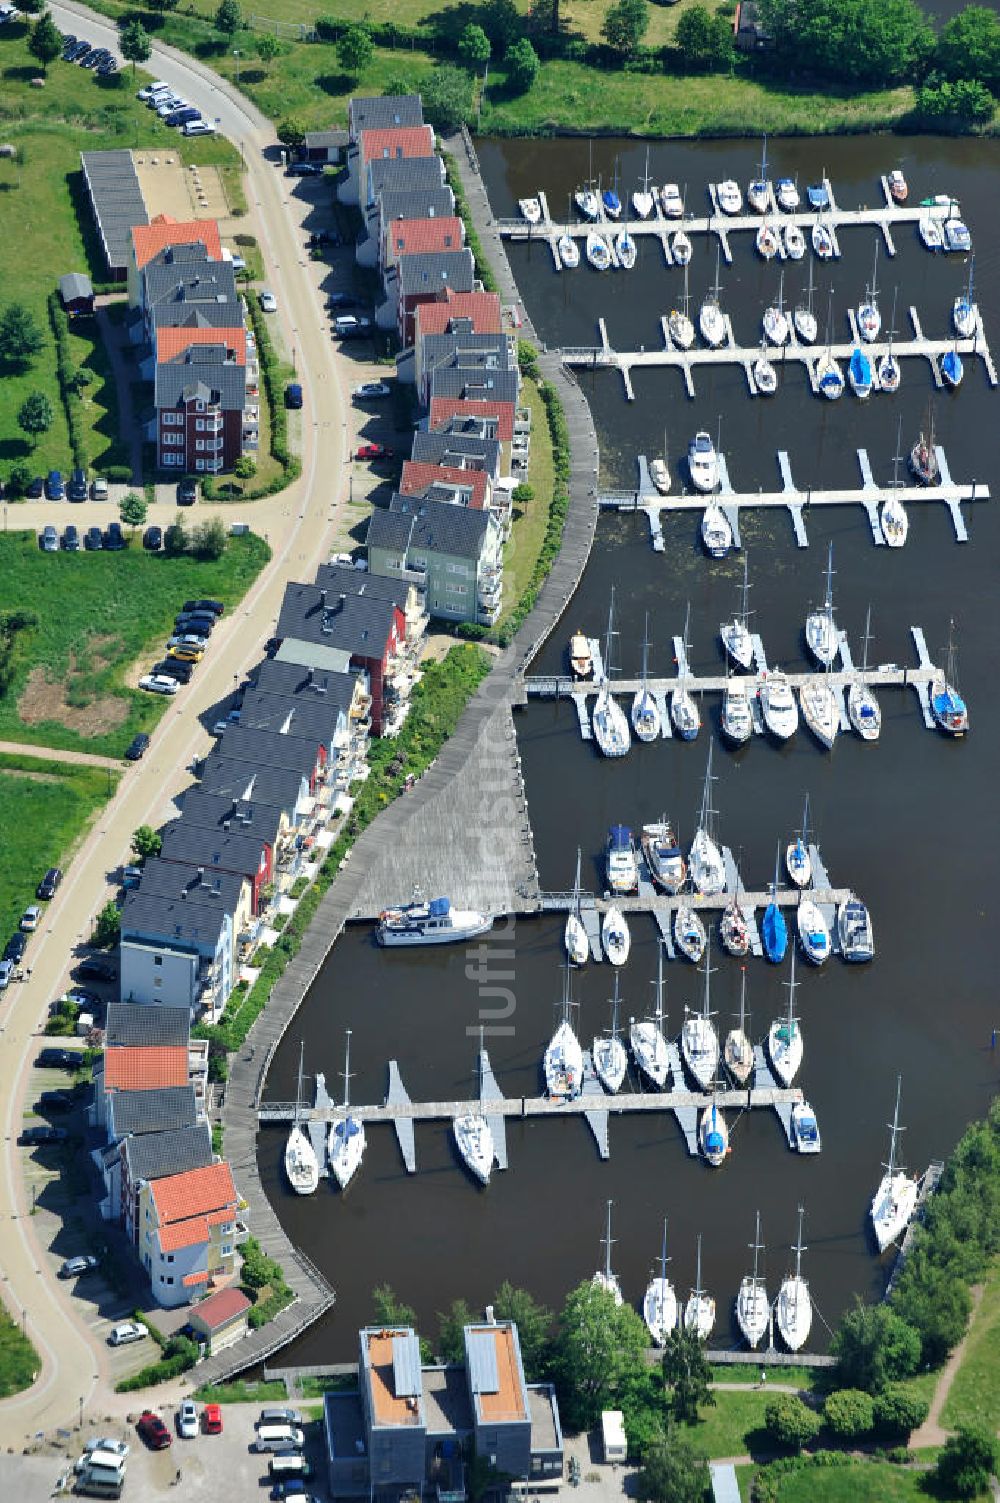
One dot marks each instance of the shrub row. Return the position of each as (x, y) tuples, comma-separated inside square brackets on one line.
[(472, 239), (70, 380), (179, 1354), (272, 380)]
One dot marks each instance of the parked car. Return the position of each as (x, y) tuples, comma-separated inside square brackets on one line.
[(55, 1101), (57, 1059), (268, 301), (187, 491), (95, 57), (123, 1335), (16, 946), (184, 116), (43, 1134), (54, 488), (6, 974), (342, 300), (158, 683), (203, 128), (80, 51), (76, 486), (72, 1268), (215, 607), (114, 538), (187, 653), (137, 747), (31, 918), (47, 886), (153, 1431), (187, 1420), (352, 326), (105, 1443), (48, 540), (93, 968), (173, 668), (212, 1419), (292, 1487), (131, 877), (145, 94), (71, 539), (36, 489), (167, 107), (69, 42), (152, 539), (305, 169), (188, 639), (279, 1416), (370, 391), (80, 997), (93, 540), (99, 489), (108, 67), (197, 623), (373, 451), (293, 396)]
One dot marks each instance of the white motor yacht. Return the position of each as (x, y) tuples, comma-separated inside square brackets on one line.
[(689, 933), (930, 232), (895, 1200), (813, 931), (820, 710), (581, 655), (737, 1053), (615, 936), (433, 923), (531, 209), (673, 203), (703, 463), (608, 1052), (805, 1128), (736, 715), (729, 197), (474, 1141), (855, 931), (787, 194), (699, 1311), (666, 864), (793, 1309), (569, 252), (659, 474), (777, 704), (659, 1305), (753, 1308), (863, 710), (621, 865), (716, 531)]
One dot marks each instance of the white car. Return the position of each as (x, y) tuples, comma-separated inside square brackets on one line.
[(105, 1443), (31, 918), (268, 301), (368, 390), (154, 88), (169, 105), (187, 1420), (126, 1333), (198, 128), (159, 683)]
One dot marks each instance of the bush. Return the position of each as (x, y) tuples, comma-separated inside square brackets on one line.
[(523, 493), (18, 481), (966, 1463), (521, 66), (527, 359), (179, 1354), (897, 1412), (69, 380), (118, 474), (849, 1413), (107, 926), (790, 1422), (175, 539)]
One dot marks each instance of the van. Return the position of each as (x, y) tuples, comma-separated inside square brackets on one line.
[(270, 1437), (289, 1466), (101, 1481), (276, 1416)]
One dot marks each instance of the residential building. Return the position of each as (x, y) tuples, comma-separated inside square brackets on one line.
[(396, 144), (134, 1068), (476, 382), (305, 755), (418, 278), (749, 33), (498, 415), (204, 417), (395, 203), (246, 787), (117, 204), (420, 237), (125, 1164), (458, 451), (366, 626), (76, 293), (454, 553), (443, 483), (179, 936), (418, 175), (461, 349), (230, 851), (449, 314), (187, 1232), (164, 234), (221, 1320), (180, 283), (215, 812), (145, 1025), (382, 112)]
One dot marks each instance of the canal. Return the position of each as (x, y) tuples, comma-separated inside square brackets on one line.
[(909, 821)]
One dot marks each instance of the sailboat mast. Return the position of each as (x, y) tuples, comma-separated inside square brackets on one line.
[(614, 1009), (743, 1000), (697, 1276), (756, 1247), (607, 1247), (799, 1249), (298, 1084), (896, 1129), (663, 1254), (347, 1070)]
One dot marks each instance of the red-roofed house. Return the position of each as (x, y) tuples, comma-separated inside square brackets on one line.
[(148, 1068), (394, 144), (446, 483), (479, 312), (149, 239), (445, 408), (221, 1320), (187, 1232), (417, 237), (171, 343)]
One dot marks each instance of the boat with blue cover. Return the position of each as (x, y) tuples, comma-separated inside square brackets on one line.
[(773, 929), (859, 373), (612, 203), (818, 196), (948, 708), (952, 368), (433, 923)]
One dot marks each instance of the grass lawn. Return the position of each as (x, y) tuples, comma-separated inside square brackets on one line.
[(864, 1482), (18, 1358), (528, 532), (746, 1373), (42, 207), (734, 1425), (266, 1391), (45, 807), (975, 1393), (97, 614)]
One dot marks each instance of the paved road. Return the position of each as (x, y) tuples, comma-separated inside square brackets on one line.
[(300, 525)]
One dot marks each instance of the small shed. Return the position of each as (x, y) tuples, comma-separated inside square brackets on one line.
[(325, 146), (77, 293), (221, 1320), (613, 1435)]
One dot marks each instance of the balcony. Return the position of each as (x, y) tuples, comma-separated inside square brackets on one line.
[(488, 615)]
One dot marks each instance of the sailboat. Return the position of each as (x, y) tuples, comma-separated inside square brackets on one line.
[(645, 711), (604, 1278), (776, 325), (759, 190), (822, 241), (615, 936), (689, 933), (716, 532), (854, 930), (784, 1039), (764, 375), (683, 710), (822, 636), (894, 520), (869, 317), (562, 1064), (777, 705), (952, 368), (813, 930), (798, 861), (710, 320), (679, 325), (859, 373), (735, 715), (794, 1303), (820, 708), (863, 708), (947, 706), (611, 202), (610, 725), (804, 318), (705, 863), (895, 1200), (586, 197), (795, 242), (923, 455), (621, 865), (738, 1051), (699, 1040), (597, 251), (735, 633), (301, 1164), (608, 1053), (642, 200), (829, 376), (964, 310), (659, 469), (713, 1134), (472, 1132), (773, 929), (647, 1040), (345, 1144), (659, 1304), (888, 370), (667, 866), (569, 252), (767, 242), (680, 248), (734, 931), (625, 249), (699, 1311), (575, 935), (753, 1308)]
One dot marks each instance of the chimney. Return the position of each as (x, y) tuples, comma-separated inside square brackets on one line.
[(342, 601), (322, 598)]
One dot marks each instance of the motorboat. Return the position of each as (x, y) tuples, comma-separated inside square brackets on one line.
[(773, 929), (562, 1064), (531, 209), (604, 1278), (699, 1040), (735, 633), (822, 241), (608, 1052), (346, 1141), (784, 1040), (622, 868), (647, 1040), (793, 1308), (943, 204), (666, 864), (898, 187), (597, 251), (813, 930), (777, 705), (964, 310), (787, 194), (820, 710), (923, 456), (681, 329), (671, 200), (610, 724), (753, 1308), (434, 923), (659, 1304), (615, 936), (575, 939), (868, 315), (703, 463), (947, 706), (569, 252), (689, 933), (625, 249), (895, 1200), (713, 1135), (821, 633), (736, 715), (611, 203), (705, 863), (474, 1141), (581, 655), (854, 931), (956, 236), (888, 373), (738, 1050), (929, 228), (301, 1163), (588, 203), (805, 1128), (716, 532), (767, 242), (645, 711), (765, 376), (859, 373), (952, 368), (681, 248), (729, 197), (829, 377), (818, 195), (659, 474), (798, 861), (699, 1310), (795, 242)]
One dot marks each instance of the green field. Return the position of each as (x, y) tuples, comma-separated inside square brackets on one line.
[(974, 1398), (47, 230), (97, 614), (18, 1358), (44, 809), (867, 1482)]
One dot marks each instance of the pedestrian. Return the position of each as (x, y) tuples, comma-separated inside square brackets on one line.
[(763, 1377), (993, 1039)]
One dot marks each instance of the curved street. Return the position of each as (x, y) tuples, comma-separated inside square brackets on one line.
[(299, 525)]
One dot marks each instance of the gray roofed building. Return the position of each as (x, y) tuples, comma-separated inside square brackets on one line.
[(437, 525), (412, 174), (163, 1109), (341, 577), (75, 287), (216, 812), (391, 530), (472, 425), (324, 145), (188, 925), (457, 450), (279, 787), (408, 203), (383, 112), (202, 375), (465, 347), (187, 254), (475, 385), (169, 879), (160, 1154), (427, 273), (359, 624), (117, 203), (228, 850), (271, 749), (294, 715), (144, 1025), (293, 680), (183, 315), (196, 286)]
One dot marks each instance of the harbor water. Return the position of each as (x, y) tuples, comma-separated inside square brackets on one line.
[(907, 822)]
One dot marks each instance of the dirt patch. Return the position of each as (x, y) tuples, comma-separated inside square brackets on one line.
[(183, 192), (45, 699), (32, 777)]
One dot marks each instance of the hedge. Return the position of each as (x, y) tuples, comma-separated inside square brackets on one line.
[(180, 1354), (67, 376), (274, 391)]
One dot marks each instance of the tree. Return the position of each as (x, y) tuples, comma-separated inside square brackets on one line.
[(162, 5), (966, 1463), (18, 481), (501, 21), (935, 1301), (533, 1321), (108, 926), (673, 1471), (45, 42), (544, 16), (175, 539), (447, 97), (474, 47), (355, 50), (597, 1345), (229, 18), (874, 1346), (625, 26), (451, 1331), (291, 132), (147, 842), (133, 509), (267, 47), (135, 44), (245, 467), (209, 539), (390, 1309), (857, 41), (32, 7), (790, 1422), (35, 416), (705, 40), (687, 1374), (21, 338), (849, 1413), (521, 65), (897, 1412), (969, 46)]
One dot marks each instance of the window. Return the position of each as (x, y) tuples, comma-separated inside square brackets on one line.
[(157, 959), (199, 464), (200, 443), (172, 418), (458, 569), (200, 425), (173, 438), (227, 1248), (170, 1257), (157, 982), (456, 589), (199, 407)]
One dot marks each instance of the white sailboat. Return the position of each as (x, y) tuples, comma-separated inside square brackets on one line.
[(795, 242), (784, 1039), (822, 635), (666, 863), (689, 933), (608, 1053), (710, 319), (611, 730), (679, 325), (820, 709), (894, 519), (597, 251), (869, 317), (699, 1311), (604, 1278), (713, 1134), (625, 249), (575, 935), (863, 708), (798, 861), (684, 712), (472, 1132), (615, 936), (964, 310), (753, 1308), (734, 931), (777, 704), (345, 1143), (813, 931), (776, 325), (735, 633), (822, 241), (643, 201), (699, 1040), (562, 1064), (764, 374), (804, 319), (647, 1040), (659, 1304), (830, 381), (738, 1051), (767, 242), (895, 1200), (645, 712), (794, 1302), (301, 1164), (887, 370), (705, 861), (569, 252), (759, 189)]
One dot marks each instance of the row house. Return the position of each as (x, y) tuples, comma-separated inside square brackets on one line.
[(182, 282), (449, 313), (365, 626), (418, 278), (443, 483), (461, 349), (397, 143), (231, 851), (458, 451), (425, 236), (454, 554), (382, 112), (393, 204), (163, 235), (488, 416), (179, 935), (187, 1230)]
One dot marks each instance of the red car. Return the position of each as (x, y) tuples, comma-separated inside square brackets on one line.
[(153, 1431), (373, 451), (212, 1414)]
